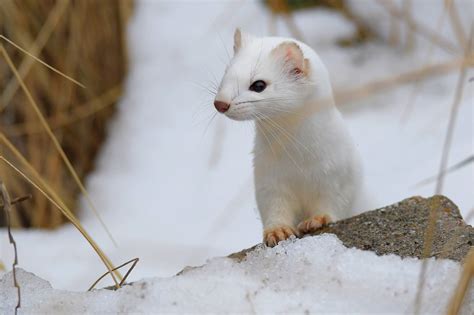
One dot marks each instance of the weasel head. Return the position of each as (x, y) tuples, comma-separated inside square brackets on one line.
[(266, 77)]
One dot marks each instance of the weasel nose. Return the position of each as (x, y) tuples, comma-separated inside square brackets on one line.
[(221, 107)]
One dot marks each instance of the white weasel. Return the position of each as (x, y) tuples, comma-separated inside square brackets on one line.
[(306, 168)]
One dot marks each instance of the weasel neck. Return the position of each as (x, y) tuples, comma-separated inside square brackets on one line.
[(311, 113)]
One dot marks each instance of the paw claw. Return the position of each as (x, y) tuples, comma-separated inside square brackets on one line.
[(272, 237), (312, 224)]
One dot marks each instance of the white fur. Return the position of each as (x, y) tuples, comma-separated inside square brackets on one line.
[(305, 162)]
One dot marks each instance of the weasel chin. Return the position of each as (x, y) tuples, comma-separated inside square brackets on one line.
[(239, 116)]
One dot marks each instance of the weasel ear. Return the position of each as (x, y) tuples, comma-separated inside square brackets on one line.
[(291, 55), (241, 39)]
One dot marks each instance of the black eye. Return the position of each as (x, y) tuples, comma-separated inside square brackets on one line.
[(258, 86)]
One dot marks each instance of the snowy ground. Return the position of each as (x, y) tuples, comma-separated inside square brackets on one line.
[(316, 275), (176, 189)]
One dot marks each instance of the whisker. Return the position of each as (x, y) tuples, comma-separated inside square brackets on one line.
[(270, 99), (277, 109), (276, 138), (205, 88), (209, 123), (225, 48), (200, 118), (290, 136), (282, 131), (257, 63), (265, 135), (213, 85), (213, 81), (200, 109)]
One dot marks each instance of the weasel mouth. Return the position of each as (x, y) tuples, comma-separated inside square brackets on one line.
[(239, 116)]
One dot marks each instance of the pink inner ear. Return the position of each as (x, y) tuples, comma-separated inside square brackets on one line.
[(296, 71)]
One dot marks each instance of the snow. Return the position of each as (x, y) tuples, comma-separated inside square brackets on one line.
[(175, 185), (312, 275)]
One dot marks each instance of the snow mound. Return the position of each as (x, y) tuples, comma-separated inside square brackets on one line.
[(311, 275)]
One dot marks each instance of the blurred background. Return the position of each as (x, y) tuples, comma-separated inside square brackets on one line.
[(171, 179)]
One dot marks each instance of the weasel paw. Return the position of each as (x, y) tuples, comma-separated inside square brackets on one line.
[(312, 224), (272, 237)]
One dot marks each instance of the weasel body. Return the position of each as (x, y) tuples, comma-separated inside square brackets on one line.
[(307, 170)]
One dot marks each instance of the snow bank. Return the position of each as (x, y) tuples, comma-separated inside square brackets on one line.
[(311, 275)]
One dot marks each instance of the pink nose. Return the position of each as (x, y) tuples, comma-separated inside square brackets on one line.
[(221, 106)]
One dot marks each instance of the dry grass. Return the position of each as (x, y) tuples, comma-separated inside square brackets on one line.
[(286, 8), (428, 33), (49, 194), (72, 36), (6, 206), (464, 284), (431, 228), (133, 261), (429, 56), (41, 185)]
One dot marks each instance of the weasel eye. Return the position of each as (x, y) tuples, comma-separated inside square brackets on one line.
[(258, 86)]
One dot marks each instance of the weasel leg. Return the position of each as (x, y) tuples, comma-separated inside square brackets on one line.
[(279, 218), (273, 236), (312, 224)]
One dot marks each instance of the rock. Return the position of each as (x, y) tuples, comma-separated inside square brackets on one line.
[(400, 229)]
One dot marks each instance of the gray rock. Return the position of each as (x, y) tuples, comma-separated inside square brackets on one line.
[(401, 228)]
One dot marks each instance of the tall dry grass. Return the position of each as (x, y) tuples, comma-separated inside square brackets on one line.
[(85, 40)]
